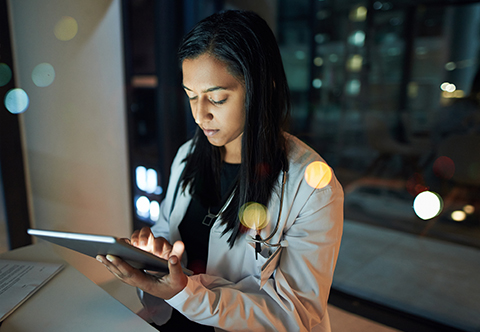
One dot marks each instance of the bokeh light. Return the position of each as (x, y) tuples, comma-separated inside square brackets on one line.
[(469, 209), (320, 38), (448, 87), (427, 205), (358, 14), (458, 215), (333, 57), (357, 38), (147, 180), (353, 87), (154, 211), (300, 55), (143, 206), (412, 89), (152, 180), (377, 5), (317, 83), (5, 74), (253, 215), (16, 101), (141, 177), (318, 174), (66, 29), (43, 75), (450, 66), (416, 184), (318, 61), (354, 63), (444, 167)]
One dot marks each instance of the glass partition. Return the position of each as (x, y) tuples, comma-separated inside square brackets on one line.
[(388, 93)]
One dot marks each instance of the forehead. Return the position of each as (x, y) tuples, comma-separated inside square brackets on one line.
[(206, 71)]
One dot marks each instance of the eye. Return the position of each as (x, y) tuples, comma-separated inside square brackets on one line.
[(218, 102)]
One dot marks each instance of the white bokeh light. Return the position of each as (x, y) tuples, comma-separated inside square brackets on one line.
[(450, 87), (357, 38), (141, 177), (154, 211), (147, 180), (143, 206), (427, 205), (458, 215), (152, 180)]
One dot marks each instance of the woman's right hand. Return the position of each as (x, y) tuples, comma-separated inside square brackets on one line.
[(145, 240), (165, 287)]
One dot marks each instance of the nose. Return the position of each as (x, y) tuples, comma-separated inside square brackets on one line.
[(201, 111)]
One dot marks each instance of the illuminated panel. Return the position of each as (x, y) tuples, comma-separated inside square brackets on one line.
[(74, 236)]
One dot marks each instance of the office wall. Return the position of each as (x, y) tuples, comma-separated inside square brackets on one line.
[(74, 129)]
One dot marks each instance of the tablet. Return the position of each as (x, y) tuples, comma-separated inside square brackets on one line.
[(93, 245)]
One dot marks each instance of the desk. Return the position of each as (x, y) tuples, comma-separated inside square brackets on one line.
[(69, 302)]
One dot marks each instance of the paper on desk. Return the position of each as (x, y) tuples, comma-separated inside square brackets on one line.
[(19, 280)]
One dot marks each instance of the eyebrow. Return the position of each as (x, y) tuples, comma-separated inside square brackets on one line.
[(214, 88)]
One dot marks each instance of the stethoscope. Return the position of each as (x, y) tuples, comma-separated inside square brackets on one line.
[(258, 240)]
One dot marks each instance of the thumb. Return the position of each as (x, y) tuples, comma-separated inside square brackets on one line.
[(177, 250), (175, 258)]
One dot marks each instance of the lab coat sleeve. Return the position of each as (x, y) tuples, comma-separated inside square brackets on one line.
[(162, 227), (295, 299)]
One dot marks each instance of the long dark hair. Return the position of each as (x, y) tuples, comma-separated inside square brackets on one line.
[(244, 41)]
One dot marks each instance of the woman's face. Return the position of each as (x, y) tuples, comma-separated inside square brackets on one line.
[(217, 100)]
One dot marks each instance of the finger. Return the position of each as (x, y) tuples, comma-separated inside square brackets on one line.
[(127, 241), (125, 272), (134, 237), (144, 237), (108, 263), (122, 269), (165, 287), (161, 247)]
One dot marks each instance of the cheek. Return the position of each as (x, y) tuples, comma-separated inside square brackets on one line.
[(237, 119), (240, 111)]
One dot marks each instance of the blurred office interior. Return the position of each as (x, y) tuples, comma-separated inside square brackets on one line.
[(386, 91)]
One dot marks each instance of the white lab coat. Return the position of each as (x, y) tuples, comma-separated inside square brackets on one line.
[(229, 296)]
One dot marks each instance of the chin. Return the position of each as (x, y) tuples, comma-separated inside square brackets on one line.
[(215, 143)]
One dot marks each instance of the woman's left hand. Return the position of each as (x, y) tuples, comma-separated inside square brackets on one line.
[(165, 287)]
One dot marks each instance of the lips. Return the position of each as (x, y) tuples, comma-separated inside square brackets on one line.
[(210, 132)]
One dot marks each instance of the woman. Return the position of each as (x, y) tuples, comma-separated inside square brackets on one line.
[(269, 273)]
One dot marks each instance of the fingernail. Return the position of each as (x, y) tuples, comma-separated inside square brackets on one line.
[(99, 259), (110, 258)]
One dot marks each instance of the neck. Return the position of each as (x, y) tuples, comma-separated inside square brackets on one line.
[(232, 151), (231, 157)]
